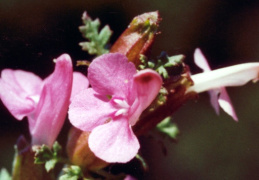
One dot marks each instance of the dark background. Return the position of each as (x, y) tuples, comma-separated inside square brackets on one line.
[(33, 33)]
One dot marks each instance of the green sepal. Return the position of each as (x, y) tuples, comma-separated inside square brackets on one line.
[(44, 155), (168, 128), (4, 174), (97, 42), (72, 173)]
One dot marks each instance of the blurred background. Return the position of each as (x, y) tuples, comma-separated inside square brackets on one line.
[(33, 33)]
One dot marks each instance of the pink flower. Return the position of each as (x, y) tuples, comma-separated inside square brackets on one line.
[(45, 103), (118, 96), (216, 80)]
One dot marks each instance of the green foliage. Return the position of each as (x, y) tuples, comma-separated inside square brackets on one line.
[(168, 128), (164, 64), (72, 173), (97, 41), (43, 154), (4, 175)]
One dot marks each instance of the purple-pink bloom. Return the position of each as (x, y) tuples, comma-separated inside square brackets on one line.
[(44, 102), (215, 81), (117, 97)]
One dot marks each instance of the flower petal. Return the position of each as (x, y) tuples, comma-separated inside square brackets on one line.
[(237, 75), (114, 141), (111, 74), (201, 61), (88, 109), (147, 84), (49, 116), (17, 91), (214, 99), (226, 105), (80, 82)]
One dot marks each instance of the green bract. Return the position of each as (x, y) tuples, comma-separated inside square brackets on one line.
[(164, 64), (169, 128), (44, 154)]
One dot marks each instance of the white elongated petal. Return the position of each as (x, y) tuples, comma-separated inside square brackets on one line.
[(236, 75), (201, 61), (225, 103)]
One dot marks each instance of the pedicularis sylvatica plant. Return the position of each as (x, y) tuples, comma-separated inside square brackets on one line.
[(123, 95)]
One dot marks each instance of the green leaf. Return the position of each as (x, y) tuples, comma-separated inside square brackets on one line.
[(4, 175), (168, 128), (97, 42)]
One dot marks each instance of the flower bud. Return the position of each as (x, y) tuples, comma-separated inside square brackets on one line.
[(138, 37)]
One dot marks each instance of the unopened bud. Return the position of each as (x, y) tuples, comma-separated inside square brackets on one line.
[(138, 37)]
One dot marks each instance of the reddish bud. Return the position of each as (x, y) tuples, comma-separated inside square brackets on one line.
[(138, 37)]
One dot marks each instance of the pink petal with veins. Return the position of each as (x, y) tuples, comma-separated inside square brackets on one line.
[(46, 122)]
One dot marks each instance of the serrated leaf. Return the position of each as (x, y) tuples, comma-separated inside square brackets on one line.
[(4, 175), (105, 34), (97, 42)]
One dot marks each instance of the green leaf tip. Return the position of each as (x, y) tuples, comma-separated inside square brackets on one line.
[(168, 128), (97, 40)]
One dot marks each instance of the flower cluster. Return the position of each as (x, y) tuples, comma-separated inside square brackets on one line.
[(115, 96)]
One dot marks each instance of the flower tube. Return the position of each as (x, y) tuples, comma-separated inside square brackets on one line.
[(215, 81)]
